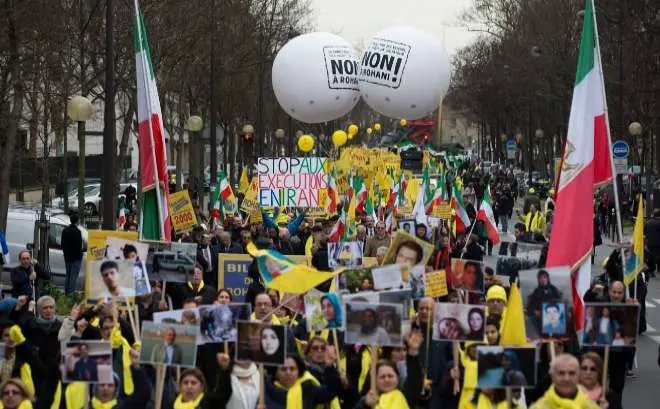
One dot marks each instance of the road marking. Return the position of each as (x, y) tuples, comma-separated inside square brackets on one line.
[(655, 338), (650, 305), (650, 328), (656, 300)]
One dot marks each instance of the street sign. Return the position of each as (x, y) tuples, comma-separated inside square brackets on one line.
[(511, 149), (620, 150), (620, 165), (511, 145)]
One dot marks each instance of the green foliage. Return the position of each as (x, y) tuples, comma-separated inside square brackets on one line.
[(63, 304)]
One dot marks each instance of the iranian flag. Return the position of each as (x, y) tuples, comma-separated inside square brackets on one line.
[(485, 214), (434, 200), (337, 232), (333, 196), (155, 221), (586, 164), (361, 195), (221, 194), (462, 218), (225, 187)]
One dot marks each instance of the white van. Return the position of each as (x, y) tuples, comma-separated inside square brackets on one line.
[(20, 233)]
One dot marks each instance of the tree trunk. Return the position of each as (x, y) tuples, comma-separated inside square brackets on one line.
[(7, 154), (125, 137)]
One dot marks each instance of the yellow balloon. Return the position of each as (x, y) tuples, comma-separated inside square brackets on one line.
[(377, 127), (353, 130), (339, 138), (403, 122), (369, 131), (305, 143), (351, 136)]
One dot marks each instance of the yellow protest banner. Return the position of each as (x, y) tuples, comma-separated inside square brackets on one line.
[(182, 211), (250, 202), (442, 211), (435, 284)]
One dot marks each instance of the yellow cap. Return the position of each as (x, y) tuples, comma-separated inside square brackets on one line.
[(496, 292)]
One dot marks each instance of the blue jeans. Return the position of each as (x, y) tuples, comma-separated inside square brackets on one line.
[(504, 219), (71, 280)]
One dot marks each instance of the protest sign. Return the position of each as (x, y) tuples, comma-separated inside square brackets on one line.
[(97, 250), (442, 211), (435, 284), (250, 203), (173, 262), (169, 344), (233, 273), (506, 367), (261, 343), (181, 211), (291, 182)]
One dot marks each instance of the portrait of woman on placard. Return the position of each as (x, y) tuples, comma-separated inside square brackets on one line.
[(331, 310), (271, 345), (476, 320)]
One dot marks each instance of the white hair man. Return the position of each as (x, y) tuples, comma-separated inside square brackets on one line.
[(564, 392)]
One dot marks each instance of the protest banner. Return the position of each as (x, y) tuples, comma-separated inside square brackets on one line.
[(291, 182), (435, 284), (250, 203), (233, 273), (442, 211), (182, 211), (96, 247)]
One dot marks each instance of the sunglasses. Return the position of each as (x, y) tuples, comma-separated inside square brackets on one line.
[(11, 392)]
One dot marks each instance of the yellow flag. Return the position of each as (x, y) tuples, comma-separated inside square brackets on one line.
[(512, 331), (244, 183), (635, 261)]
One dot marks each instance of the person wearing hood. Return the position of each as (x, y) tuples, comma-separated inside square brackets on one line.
[(496, 300), (42, 332)]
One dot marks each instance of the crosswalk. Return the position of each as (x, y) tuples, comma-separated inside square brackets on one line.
[(652, 332)]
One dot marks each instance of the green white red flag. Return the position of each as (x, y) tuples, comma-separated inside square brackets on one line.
[(155, 221), (486, 215), (462, 218), (586, 164)]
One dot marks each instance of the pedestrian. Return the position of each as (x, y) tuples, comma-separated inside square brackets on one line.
[(72, 248)]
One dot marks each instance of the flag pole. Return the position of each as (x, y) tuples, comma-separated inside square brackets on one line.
[(609, 137)]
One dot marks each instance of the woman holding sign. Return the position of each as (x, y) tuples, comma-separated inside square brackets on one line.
[(387, 394)]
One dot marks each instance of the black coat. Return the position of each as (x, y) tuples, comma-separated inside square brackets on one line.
[(312, 395), (72, 243), (21, 284)]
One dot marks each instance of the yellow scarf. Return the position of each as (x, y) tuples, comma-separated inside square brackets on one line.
[(118, 341), (179, 404), (26, 404), (294, 395), (392, 400), (97, 404), (26, 377), (75, 395), (334, 404), (469, 379), (201, 285), (364, 370), (274, 319), (581, 400)]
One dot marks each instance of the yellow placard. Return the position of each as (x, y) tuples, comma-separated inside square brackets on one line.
[(442, 211), (435, 284), (250, 202), (182, 211)]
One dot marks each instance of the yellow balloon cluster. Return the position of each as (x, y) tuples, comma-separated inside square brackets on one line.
[(352, 131), (339, 138), (305, 143)]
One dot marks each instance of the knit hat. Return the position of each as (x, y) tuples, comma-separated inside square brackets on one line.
[(496, 292)]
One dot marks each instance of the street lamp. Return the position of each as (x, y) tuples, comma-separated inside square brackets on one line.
[(195, 124), (79, 109), (636, 130)]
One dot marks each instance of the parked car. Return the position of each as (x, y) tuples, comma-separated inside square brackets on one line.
[(93, 198), (21, 233)]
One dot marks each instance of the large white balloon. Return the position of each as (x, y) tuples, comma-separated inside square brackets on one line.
[(404, 73), (315, 77)]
